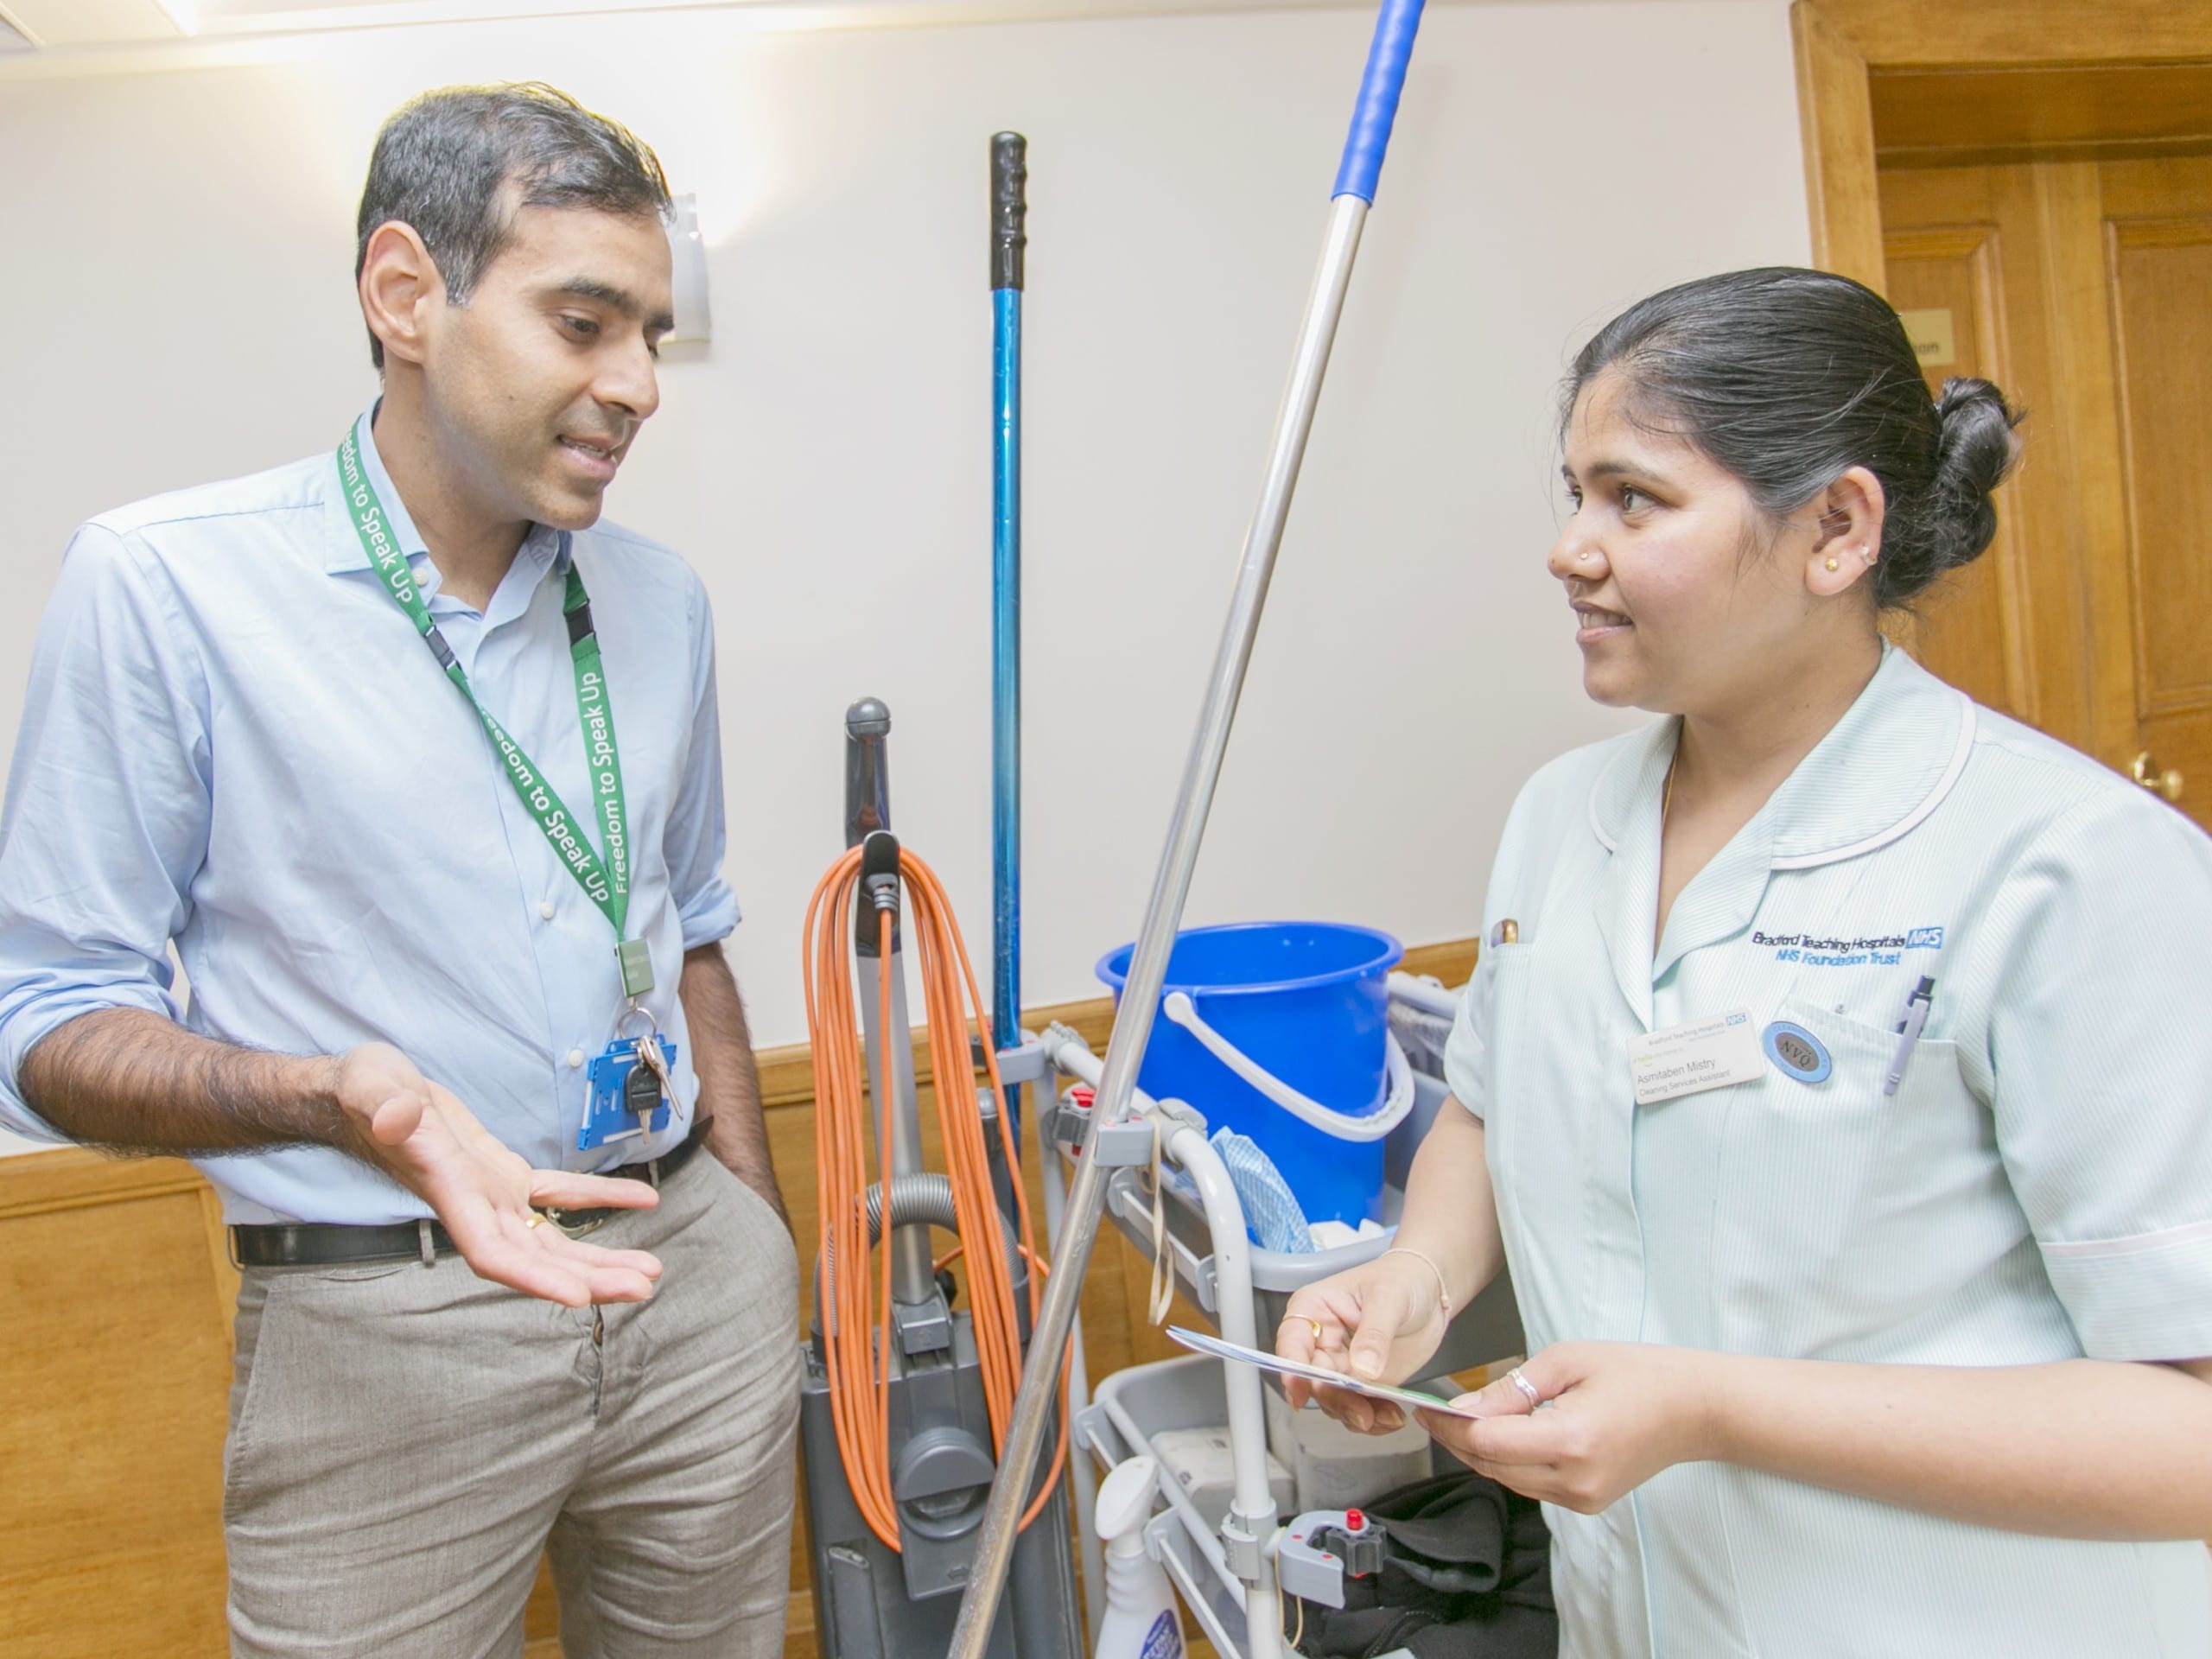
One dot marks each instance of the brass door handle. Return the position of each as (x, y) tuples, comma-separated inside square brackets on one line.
[(2147, 773)]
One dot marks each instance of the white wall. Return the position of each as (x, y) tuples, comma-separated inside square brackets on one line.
[(176, 290)]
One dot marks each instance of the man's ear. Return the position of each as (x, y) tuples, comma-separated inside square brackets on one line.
[(400, 289), (1847, 526)]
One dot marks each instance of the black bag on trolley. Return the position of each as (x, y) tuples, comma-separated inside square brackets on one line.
[(1467, 1574)]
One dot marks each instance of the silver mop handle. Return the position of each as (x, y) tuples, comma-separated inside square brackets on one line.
[(1034, 1402)]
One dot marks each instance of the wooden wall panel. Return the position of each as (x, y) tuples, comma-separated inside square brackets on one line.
[(115, 1379), (114, 1383)]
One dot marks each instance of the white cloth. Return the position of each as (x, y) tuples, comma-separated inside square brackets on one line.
[(2039, 1188)]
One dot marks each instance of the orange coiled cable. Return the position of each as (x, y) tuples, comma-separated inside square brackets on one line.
[(856, 1325)]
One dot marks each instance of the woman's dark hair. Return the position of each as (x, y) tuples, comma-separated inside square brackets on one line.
[(443, 162), (1789, 377)]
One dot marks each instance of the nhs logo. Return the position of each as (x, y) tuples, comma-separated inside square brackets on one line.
[(1924, 938)]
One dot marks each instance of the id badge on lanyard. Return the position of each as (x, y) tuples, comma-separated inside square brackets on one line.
[(631, 1088), (631, 1095)]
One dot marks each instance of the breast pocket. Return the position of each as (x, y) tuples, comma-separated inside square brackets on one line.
[(1838, 1207)]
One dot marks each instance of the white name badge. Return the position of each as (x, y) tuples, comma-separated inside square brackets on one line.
[(1687, 1059)]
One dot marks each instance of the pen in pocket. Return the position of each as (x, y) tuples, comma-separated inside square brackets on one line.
[(1915, 1016)]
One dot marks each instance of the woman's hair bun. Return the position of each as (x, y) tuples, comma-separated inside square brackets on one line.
[(1975, 447)]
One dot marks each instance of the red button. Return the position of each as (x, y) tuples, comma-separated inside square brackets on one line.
[(1355, 1522)]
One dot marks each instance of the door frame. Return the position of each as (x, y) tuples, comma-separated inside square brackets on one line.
[(1839, 45), (1839, 42)]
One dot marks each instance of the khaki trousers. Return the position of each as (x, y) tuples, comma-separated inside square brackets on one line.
[(405, 1440)]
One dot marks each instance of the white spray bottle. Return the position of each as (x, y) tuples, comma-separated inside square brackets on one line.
[(1141, 1620)]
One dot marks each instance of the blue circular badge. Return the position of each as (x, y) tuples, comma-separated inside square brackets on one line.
[(1796, 1052)]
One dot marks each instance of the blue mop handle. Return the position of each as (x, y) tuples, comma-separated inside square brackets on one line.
[(1378, 100), (1009, 239)]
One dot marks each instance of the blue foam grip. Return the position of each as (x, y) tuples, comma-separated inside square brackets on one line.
[(1378, 100)]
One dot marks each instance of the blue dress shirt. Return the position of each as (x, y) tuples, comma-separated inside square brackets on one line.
[(235, 741)]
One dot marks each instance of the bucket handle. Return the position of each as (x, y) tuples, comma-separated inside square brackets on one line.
[(1179, 1007)]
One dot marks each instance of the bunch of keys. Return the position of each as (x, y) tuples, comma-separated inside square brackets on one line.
[(633, 1092)]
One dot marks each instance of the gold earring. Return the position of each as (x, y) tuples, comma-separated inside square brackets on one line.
[(1831, 564)]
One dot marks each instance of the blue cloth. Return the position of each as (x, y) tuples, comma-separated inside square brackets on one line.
[(235, 741), (1273, 1214)]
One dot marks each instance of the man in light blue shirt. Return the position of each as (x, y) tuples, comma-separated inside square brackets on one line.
[(323, 729)]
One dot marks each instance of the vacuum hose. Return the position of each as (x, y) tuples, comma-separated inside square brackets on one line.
[(921, 1197), (858, 1306)]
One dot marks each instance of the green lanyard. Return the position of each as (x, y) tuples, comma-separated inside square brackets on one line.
[(606, 884)]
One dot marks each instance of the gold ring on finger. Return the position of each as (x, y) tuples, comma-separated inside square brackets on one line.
[(537, 1218), (1306, 1319)]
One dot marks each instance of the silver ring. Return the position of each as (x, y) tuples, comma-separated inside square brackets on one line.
[(1528, 1388)]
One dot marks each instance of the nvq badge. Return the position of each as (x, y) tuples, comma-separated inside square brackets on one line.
[(1796, 1052)]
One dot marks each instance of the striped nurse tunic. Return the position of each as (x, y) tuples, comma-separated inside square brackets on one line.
[(2039, 1188)]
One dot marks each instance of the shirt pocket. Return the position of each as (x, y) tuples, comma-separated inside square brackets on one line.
[(1842, 1214)]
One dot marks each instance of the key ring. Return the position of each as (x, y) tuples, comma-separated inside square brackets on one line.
[(653, 1026)]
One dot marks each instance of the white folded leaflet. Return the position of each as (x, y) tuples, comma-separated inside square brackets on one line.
[(1412, 1398)]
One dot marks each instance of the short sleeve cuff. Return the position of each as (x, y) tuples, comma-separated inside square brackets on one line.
[(709, 914), (2144, 1298), (1466, 1061)]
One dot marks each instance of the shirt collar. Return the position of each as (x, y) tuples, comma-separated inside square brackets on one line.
[(1881, 770), (543, 546)]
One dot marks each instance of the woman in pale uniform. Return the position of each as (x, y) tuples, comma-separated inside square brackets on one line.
[(1844, 1339)]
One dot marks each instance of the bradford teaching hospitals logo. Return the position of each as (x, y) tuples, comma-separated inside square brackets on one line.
[(1830, 950)]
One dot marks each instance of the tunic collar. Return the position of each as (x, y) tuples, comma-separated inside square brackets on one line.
[(1876, 775)]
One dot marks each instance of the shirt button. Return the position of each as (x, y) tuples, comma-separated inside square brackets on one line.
[(545, 908), (576, 1058)]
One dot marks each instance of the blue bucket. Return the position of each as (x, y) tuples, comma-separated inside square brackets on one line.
[(1279, 1031)]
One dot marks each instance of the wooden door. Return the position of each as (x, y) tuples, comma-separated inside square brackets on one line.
[(2082, 288), (2156, 607)]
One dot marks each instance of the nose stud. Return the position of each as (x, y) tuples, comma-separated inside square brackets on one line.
[(1585, 557)]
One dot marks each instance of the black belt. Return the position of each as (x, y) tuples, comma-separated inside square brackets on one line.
[(309, 1244)]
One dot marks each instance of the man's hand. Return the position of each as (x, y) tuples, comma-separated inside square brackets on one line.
[(424, 1138), (128, 1077)]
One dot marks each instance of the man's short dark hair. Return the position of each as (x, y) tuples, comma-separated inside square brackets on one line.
[(444, 164)]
